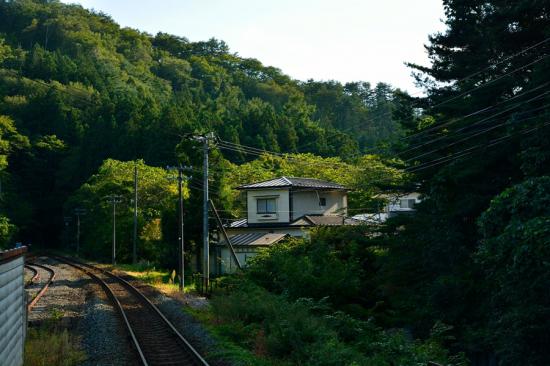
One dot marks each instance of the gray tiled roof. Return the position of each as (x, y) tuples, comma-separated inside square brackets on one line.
[(306, 220), (319, 220), (293, 182), (256, 239)]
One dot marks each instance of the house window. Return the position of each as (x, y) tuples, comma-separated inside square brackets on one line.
[(407, 203), (322, 201), (266, 205)]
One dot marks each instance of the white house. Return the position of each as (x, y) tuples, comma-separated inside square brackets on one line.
[(279, 208), (396, 204), (401, 203)]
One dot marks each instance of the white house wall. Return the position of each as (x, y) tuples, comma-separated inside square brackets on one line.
[(394, 204), (283, 209), (228, 265), (307, 203), (221, 262)]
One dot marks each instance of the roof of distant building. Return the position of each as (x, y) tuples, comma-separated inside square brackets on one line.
[(294, 182), (256, 239), (319, 220), (306, 220)]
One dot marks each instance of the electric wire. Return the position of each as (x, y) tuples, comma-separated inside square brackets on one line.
[(414, 147), (469, 91), (259, 152), (455, 134), (468, 151)]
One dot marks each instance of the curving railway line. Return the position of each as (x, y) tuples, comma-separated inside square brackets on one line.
[(156, 340), (36, 276)]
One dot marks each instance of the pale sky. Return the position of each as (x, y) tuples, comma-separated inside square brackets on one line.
[(345, 40)]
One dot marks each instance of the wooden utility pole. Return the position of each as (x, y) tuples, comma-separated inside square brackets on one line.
[(181, 231), (114, 199), (205, 140), (78, 212), (181, 224), (205, 230), (134, 251)]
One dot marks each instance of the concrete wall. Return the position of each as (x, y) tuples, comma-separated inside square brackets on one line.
[(282, 200), (13, 313), (307, 203)]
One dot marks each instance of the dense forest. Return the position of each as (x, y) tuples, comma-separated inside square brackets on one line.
[(463, 281), (78, 89)]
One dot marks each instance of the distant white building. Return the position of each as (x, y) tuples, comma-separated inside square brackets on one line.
[(396, 204), (277, 209), (401, 203)]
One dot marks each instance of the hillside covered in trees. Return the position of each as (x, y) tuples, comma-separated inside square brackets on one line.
[(77, 89), (463, 281)]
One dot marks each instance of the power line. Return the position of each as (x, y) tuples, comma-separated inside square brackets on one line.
[(468, 151), (484, 109), (470, 126), (255, 151), (475, 133), (506, 122), (389, 113), (259, 152), (489, 82), (504, 60), (493, 80), (439, 126), (285, 157)]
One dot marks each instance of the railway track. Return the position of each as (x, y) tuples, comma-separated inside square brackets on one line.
[(34, 275), (156, 340), (32, 267)]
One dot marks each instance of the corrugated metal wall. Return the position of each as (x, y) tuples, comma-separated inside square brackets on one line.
[(12, 311)]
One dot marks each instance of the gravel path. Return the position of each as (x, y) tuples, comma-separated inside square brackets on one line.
[(86, 313)]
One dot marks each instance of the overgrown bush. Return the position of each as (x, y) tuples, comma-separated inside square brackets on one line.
[(515, 255), (308, 332), (333, 264)]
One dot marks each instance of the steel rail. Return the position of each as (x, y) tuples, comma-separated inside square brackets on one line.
[(44, 288), (140, 342), (116, 303), (35, 275)]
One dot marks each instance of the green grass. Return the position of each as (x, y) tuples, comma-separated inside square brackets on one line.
[(49, 345), (165, 280)]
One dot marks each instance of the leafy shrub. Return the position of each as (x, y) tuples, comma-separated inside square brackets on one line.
[(515, 255), (332, 265), (309, 332)]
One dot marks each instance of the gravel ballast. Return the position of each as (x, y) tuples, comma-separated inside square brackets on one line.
[(85, 311), (191, 329)]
